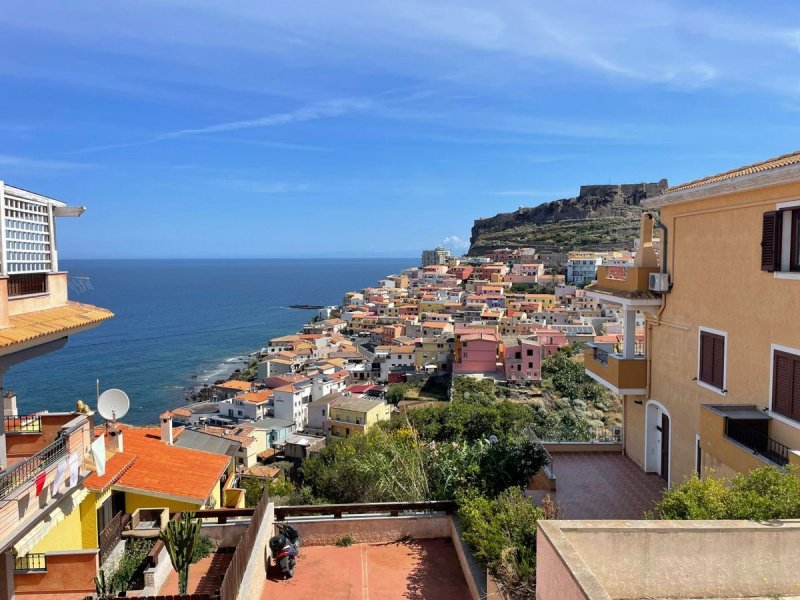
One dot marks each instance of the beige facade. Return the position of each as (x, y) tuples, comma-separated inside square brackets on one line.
[(713, 251)]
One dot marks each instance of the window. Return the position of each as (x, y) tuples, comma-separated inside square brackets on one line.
[(530, 351), (786, 384), (780, 240), (712, 359)]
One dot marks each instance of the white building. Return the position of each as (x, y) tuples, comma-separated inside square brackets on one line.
[(582, 267), (437, 256), (247, 405), (290, 402)]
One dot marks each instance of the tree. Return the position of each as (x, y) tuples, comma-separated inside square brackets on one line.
[(397, 392), (761, 494), (180, 538)]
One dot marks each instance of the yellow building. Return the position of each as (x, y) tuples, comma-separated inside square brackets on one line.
[(349, 416), (720, 387)]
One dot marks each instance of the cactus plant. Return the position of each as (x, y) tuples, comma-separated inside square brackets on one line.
[(104, 589), (180, 537)]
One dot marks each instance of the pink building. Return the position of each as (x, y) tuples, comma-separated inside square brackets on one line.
[(522, 358), (476, 352), (551, 340)]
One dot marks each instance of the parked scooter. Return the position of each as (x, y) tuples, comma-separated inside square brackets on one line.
[(285, 547)]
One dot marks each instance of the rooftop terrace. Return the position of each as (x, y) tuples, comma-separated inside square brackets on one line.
[(419, 569)]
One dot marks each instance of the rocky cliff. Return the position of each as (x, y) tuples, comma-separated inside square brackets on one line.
[(599, 217)]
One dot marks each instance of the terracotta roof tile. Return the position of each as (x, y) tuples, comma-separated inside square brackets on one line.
[(29, 326), (765, 165), (169, 470)]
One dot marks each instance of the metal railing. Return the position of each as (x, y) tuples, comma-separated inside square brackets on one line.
[(29, 468), (579, 433), (756, 441), (338, 510), (111, 535), (23, 424), (31, 562), (600, 355), (29, 283)]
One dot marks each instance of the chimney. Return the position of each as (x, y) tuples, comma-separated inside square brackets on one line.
[(166, 428), (9, 404), (115, 437)]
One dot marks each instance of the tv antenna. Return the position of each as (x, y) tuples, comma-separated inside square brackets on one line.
[(113, 404)]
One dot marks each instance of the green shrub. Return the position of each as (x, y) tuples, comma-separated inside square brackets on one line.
[(130, 571), (502, 535), (762, 494), (345, 541), (205, 546)]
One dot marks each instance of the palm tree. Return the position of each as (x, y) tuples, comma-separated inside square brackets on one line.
[(180, 537)]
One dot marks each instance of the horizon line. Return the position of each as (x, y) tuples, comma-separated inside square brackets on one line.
[(242, 258)]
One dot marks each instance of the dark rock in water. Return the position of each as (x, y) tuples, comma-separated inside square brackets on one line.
[(307, 306)]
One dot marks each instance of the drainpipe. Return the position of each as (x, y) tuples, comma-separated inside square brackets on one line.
[(664, 248)]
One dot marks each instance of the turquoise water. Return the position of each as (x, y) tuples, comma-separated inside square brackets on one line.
[(179, 323)]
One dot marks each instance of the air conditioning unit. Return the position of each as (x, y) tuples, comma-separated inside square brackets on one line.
[(659, 282)]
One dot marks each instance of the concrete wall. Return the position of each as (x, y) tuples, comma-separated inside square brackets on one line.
[(255, 575), (156, 577), (71, 572), (714, 255), (225, 535), (325, 531), (673, 559)]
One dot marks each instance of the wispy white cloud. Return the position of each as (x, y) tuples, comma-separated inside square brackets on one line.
[(24, 162), (312, 112), (454, 242), (261, 187)]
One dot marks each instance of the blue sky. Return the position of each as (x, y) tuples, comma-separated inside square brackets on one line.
[(198, 128)]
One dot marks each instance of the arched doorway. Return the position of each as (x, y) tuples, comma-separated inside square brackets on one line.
[(658, 435)]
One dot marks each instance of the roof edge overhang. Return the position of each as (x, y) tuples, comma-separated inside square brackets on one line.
[(27, 195), (741, 183), (162, 495)]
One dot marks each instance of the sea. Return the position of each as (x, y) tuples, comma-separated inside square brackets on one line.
[(180, 324)]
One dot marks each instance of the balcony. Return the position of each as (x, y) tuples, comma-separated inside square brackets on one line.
[(624, 376), (737, 438), (31, 563), (27, 284), (626, 285), (27, 470)]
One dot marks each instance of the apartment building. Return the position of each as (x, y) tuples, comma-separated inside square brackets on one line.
[(43, 455), (582, 267), (350, 415), (437, 256), (719, 387)]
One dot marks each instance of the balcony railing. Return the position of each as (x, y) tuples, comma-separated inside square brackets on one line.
[(600, 355), (29, 468), (756, 441), (111, 535), (31, 562), (26, 284), (614, 371), (24, 424)]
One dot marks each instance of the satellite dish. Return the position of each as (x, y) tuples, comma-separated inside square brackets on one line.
[(113, 404)]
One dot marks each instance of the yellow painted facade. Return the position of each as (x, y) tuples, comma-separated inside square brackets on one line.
[(357, 421), (66, 535), (713, 257)]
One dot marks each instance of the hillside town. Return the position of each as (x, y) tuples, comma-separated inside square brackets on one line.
[(420, 411)]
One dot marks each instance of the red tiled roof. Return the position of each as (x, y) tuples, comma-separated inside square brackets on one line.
[(115, 468), (169, 470), (765, 165)]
